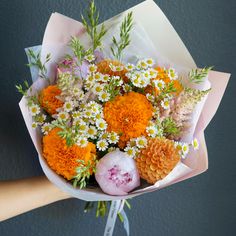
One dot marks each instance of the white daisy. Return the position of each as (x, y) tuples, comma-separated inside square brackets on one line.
[(90, 79), (150, 97), (129, 67), (99, 116), (46, 128), (88, 85), (41, 118), (83, 128), (127, 88), (92, 68), (104, 96), (142, 64), (82, 141), (113, 138), (165, 103), (98, 76), (88, 113), (102, 145), (92, 132), (68, 106), (195, 144), (105, 78), (160, 84), (153, 73), (89, 57), (141, 142), (34, 125), (63, 115), (98, 88), (149, 61), (152, 131), (76, 114), (172, 74), (34, 110), (131, 151), (185, 150), (101, 124)]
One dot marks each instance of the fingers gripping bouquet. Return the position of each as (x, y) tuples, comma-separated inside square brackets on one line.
[(112, 117)]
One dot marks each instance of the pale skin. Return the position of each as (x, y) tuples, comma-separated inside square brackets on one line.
[(19, 196)]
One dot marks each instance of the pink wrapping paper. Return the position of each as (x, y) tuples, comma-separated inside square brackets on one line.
[(167, 46)]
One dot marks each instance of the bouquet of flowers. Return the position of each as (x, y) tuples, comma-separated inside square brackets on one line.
[(112, 117)]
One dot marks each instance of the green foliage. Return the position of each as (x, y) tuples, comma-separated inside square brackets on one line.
[(91, 26), (21, 89), (168, 89), (198, 75), (83, 174), (36, 61), (125, 29), (169, 127)]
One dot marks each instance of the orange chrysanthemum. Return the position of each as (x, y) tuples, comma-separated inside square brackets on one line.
[(48, 100), (163, 75), (157, 160), (128, 115), (63, 159), (104, 68)]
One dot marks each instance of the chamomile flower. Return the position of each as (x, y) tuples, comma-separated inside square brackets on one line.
[(141, 142), (90, 78), (129, 67), (152, 131), (92, 132), (195, 144), (146, 75), (76, 91), (99, 116), (172, 74), (143, 82), (153, 73), (89, 57), (104, 135), (98, 88), (88, 113), (165, 103), (104, 96), (41, 118), (185, 150), (113, 138), (83, 128), (142, 64), (63, 116), (156, 112), (88, 85), (68, 106), (76, 114), (150, 97), (131, 151), (127, 88), (98, 76), (115, 68), (82, 141), (102, 145), (34, 110), (105, 78), (101, 124), (46, 128), (160, 84), (92, 68), (34, 125), (149, 61)]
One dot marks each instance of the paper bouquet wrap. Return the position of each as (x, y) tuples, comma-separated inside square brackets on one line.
[(152, 36)]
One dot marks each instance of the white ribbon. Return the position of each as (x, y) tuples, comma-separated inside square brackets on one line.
[(116, 207)]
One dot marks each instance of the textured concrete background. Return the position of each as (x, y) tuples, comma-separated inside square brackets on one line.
[(202, 206)]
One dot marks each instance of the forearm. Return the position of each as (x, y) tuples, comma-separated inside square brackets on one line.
[(19, 196)]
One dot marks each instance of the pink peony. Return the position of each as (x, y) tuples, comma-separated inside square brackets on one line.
[(117, 173)]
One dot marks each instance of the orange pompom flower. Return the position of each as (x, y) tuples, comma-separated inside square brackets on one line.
[(157, 160), (128, 115), (104, 68), (63, 159), (48, 99)]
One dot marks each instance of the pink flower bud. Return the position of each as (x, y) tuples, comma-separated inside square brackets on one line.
[(117, 173)]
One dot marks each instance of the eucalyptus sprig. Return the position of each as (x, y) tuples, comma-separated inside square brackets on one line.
[(198, 75), (91, 26), (124, 41), (36, 62)]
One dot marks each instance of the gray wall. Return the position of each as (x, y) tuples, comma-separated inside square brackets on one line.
[(202, 206)]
